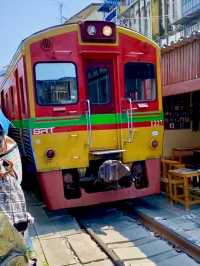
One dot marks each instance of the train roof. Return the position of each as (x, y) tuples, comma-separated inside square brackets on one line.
[(65, 25), (56, 29)]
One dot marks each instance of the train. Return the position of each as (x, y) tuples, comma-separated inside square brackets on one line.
[(84, 100)]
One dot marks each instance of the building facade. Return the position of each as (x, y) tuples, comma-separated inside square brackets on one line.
[(134, 14), (186, 21), (190, 16), (137, 15), (166, 21), (153, 18)]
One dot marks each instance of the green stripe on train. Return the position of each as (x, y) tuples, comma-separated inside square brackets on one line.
[(97, 119)]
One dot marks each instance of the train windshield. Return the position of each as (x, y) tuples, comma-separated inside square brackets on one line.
[(56, 83), (140, 81)]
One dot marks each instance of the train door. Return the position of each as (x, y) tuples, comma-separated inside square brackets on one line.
[(101, 106)]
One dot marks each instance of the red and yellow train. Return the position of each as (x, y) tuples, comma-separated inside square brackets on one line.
[(86, 108)]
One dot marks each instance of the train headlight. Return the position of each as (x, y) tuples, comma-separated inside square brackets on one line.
[(98, 31), (107, 31), (50, 154), (154, 144), (91, 30)]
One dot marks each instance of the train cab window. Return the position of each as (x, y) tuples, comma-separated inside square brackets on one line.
[(99, 85), (7, 101), (2, 101), (22, 94), (12, 99), (56, 83), (140, 81)]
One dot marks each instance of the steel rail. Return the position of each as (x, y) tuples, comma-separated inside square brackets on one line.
[(166, 233)]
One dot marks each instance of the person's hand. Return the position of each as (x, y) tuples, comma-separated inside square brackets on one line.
[(30, 218)]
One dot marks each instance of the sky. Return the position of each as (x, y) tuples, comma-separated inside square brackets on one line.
[(21, 18)]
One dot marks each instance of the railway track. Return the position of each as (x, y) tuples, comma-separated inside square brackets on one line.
[(180, 243), (104, 235), (125, 240)]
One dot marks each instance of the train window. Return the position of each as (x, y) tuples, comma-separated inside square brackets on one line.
[(56, 83), (2, 101), (140, 81), (22, 94), (7, 101), (99, 85), (12, 99)]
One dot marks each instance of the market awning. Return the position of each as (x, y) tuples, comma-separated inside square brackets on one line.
[(182, 87)]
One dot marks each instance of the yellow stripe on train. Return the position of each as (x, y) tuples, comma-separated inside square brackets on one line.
[(72, 148)]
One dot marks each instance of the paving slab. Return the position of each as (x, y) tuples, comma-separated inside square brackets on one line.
[(76, 264), (193, 236), (119, 232), (49, 234), (85, 248), (180, 260), (109, 223), (57, 252), (140, 262), (100, 263), (65, 225), (55, 224), (165, 256), (144, 251), (112, 236), (127, 244), (41, 260), (185, 223)]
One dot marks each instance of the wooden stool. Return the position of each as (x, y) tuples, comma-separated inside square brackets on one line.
[(181, 178), (167, 165)]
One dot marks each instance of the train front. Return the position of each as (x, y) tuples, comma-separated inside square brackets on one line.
[(96, 113)]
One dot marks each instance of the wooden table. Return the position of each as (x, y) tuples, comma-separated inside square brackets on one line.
[(183, 176)]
